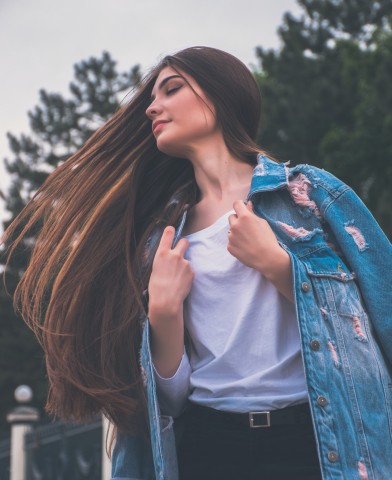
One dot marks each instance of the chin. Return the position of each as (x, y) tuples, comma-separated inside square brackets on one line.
[(170, 148)]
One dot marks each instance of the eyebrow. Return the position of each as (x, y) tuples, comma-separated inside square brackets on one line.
[(164, 82)]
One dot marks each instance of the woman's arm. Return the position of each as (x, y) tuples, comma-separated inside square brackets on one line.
[(279, 273), (170, 282), (170, 362), (167, 340)]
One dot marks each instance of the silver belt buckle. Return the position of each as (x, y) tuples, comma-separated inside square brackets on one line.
[(264, 415)]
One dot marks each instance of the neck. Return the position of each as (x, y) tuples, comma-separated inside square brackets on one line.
[(219, 174)]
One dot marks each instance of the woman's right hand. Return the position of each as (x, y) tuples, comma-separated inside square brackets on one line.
[(171, 276), (170, 282)]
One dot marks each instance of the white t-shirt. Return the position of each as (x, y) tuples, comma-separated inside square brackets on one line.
[(245, 346)]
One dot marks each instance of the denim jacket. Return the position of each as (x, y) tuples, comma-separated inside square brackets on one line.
[(342, 274)]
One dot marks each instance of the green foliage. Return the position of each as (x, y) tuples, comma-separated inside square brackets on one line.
[(59, 127), (351, 18), (327, 99)]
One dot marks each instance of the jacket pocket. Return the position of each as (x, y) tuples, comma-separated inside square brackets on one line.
[(333, 282), (323, 262)]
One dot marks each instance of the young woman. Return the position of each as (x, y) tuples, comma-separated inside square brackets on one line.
[(179, 272)]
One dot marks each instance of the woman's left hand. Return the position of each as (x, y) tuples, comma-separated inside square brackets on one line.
[(252, 241)]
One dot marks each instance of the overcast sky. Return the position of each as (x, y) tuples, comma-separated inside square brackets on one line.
[(41, 40)]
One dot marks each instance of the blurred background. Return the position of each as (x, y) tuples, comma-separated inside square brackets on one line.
[(324, 68)]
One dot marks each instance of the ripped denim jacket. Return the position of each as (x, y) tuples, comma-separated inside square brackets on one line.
[(342, 274)]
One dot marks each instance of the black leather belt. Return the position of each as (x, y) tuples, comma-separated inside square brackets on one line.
[(296, 414)]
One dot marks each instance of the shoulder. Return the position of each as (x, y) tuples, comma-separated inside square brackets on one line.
[(319, 178), (275, 172)]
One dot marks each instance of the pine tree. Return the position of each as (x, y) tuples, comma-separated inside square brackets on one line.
[(326, 95), (59, 127)]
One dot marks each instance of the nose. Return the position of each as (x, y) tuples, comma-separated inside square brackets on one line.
[(153, 109)]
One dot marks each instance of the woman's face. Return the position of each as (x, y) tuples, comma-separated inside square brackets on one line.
[(182, 118)]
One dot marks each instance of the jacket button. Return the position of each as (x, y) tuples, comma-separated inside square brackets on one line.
[(333, 456), (315, 345), (322, 401), (305, 286)]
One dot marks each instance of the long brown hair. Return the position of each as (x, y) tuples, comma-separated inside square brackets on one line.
[(82, 290)]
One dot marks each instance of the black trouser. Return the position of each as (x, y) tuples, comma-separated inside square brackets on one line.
[(218, 447)]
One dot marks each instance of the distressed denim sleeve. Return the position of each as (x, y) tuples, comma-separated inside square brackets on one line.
[(173, 392), (369, 254)]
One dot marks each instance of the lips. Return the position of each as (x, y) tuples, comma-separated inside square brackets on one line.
[(157, 123)]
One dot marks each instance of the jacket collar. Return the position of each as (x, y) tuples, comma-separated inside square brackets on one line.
[(268, 175)]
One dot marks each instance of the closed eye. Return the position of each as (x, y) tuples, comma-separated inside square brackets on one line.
[(173, 90)]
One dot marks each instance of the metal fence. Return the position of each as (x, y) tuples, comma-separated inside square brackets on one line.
[(5, 456), (64, 452), (56, 451)]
